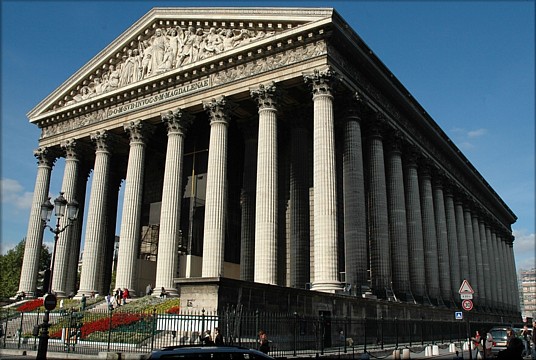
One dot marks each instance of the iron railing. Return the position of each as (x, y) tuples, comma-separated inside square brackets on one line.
[(100, 330)]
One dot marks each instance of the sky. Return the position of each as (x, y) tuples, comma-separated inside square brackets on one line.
[(469, 64)]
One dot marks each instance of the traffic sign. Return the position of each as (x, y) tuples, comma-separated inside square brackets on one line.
[(466, 288), (466, 296), (467, 305), (458, 315)]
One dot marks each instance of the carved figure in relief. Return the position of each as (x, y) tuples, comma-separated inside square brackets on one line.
[(167, 49), (158, 49)]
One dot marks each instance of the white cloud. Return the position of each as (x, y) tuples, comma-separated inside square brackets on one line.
[(13, 193), (524, 249), (476, 133)]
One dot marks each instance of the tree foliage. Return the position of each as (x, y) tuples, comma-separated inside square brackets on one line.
[(11, 265)]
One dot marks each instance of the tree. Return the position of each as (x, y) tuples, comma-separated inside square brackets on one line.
[(11, 265)]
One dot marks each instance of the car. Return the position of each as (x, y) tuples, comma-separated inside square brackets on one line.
[(499, 339), (199, 352)]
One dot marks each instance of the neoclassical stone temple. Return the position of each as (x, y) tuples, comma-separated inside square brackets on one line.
[(267, 145)]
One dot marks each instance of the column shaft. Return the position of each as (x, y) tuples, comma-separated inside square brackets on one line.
[(129, 243), (479, 287), (216, 192), (168, 239), (471, 256), (431, 263), (442, 241), (462, 242), (326, 269), (63, 246), (34, 235), (95, 237), (266, 192), (452, 240), (355, 221), (486, 278), (414, 224), (398, 231)]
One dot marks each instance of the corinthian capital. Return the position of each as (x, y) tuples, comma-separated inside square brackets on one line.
[(102, 140), (45, 156), (320, 80), (177, 120), (218, 110), (138, 130), (266, 96)]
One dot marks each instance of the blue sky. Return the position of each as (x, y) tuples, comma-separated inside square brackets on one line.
[(469, 64)]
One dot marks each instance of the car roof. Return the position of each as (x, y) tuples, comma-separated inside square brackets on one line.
[(200, 349)]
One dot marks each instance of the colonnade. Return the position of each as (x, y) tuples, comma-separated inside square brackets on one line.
[(410, 230)]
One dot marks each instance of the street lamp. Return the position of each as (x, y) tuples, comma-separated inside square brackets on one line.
[(62, 208)]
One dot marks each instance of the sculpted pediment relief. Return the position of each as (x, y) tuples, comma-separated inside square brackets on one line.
[(169, 39)]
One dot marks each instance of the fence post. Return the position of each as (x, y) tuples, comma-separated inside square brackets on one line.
[(365, 337), (295, 332), (37, 324), (202, 322), (411, 328), (345, 333), (19, 331), (422, 331), (322, 333), (256, 324), (153, 330), (109, 330), (396, 332), (5, 329), (381, 333)]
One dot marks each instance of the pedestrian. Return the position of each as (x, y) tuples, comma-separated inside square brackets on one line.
[(162, 293), (218, 337), (125, 296), (509, 335), (83, 302), (207, 339), (477, 344), (488, 346), (118, 296), (109, 302), (148, 290), (525, 334), (513, 350), (264, 344)]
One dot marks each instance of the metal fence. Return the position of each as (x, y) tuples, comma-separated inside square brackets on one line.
[(91, 332)]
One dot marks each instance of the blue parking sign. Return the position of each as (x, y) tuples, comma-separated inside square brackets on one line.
[(458, 315)]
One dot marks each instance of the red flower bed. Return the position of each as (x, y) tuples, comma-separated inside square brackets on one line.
[(174, 310), (30, 305), (103, 324)]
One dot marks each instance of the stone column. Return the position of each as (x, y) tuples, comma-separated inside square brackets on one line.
[(299, 203), (63, 246), (486, 278), (479, 288), (267, 175), (166, 266), (512, 274), (398, 230), (442, 239), (452, 240), (247, 201), (378, 220), (503, 290), (130, 234), (493, 289), (95, 237), (108, 250), (34, 236), (462, 241), (431, 263), (355, 220), (76, 240), (414, 224), (497, 256), (216, 192), (471, 256), (326, 270)]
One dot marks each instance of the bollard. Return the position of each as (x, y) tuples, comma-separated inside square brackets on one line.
[(435, 350), (428, 351), (405, 354), (452, 348), (396, 354)]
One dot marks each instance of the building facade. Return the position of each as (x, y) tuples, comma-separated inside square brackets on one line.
[(268, 145), (527, 287)]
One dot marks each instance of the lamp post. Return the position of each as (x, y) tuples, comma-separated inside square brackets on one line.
[(62, 208)]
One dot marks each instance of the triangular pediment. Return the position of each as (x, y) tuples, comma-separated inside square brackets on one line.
[(170, 39)]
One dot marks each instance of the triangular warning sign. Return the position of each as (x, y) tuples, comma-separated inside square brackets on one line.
[(466, 288)]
